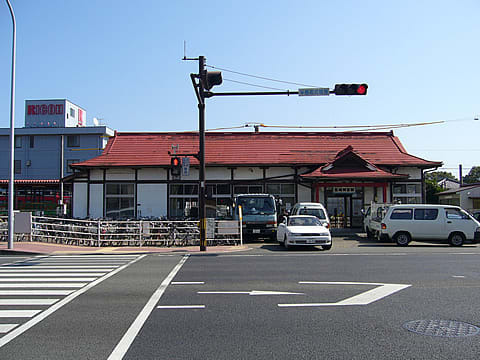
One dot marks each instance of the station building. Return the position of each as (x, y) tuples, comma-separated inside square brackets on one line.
[(55, 135), (343, 170)]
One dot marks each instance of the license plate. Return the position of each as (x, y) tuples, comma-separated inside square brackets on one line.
[(310, 241), (256, 231)]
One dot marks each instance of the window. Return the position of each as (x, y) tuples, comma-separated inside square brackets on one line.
[(18, 142), (285, 192), (70, 162), (72, 112), (32, 141), (407, 193), (120, 200), (73, 141), (17, 166), (401, 214), (426, 214), (183, 200), (456, 214)]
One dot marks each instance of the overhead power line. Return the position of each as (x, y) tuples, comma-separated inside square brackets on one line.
[(259, 77)]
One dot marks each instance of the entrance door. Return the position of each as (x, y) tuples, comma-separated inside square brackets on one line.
[(357, 216), (338, 209)]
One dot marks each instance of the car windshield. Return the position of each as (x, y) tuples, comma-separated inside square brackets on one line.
[(319, 213), (257, 205), (304, 221)]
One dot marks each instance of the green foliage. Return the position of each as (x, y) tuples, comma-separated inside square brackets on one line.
[(432, 190), (473, 176), (439, 175)]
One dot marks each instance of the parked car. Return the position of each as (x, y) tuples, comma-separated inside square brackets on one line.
[(304, 230), (312, 208), (476, 215), (403, 223), (372, 218)]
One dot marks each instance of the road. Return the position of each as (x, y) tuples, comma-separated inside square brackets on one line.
[(353, 302)]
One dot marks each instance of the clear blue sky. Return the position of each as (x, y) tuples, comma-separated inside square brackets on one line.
[(121, 61)]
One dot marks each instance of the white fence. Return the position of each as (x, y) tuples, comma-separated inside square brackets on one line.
[(126, 233)]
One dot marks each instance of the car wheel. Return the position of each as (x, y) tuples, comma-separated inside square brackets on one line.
[(326, 247), (369, 233), (402, 238), (285, 243), (456, 239)]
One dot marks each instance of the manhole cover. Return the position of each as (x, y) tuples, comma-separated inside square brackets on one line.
[(443, 328)]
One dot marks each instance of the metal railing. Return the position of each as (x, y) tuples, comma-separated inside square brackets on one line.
[(103, 232)]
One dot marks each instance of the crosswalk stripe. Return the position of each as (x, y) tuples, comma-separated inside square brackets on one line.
[(48, 275), (18, 313), (35, 292), (33, 279), (39, 267), (28, 301), (12, 271), (4, 328), (44, 285)]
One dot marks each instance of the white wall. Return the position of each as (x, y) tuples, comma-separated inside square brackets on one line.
[(152, 174), (152, 199), (96, 200), (79, 200), (248, 173), (280, 171), (304, 194), (415, 173), (96, 175), (120, 174)]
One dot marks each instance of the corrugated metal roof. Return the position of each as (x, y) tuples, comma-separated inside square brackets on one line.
[(263, 148)]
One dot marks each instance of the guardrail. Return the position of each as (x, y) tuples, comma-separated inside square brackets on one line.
[(128, 233)]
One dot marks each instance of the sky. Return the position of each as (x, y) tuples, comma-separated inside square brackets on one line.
[(122, 62)]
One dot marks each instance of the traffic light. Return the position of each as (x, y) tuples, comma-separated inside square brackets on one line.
[(211, 79), (351, 89), (175, 166)]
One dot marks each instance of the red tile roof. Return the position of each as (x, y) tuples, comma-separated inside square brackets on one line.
[(247, 148)]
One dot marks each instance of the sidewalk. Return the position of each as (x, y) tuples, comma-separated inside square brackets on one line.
[(37, 248)]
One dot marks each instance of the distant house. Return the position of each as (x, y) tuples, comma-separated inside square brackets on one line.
[(467, 197), (448, 184)]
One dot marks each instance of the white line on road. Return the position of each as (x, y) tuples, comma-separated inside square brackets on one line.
[(43, 285), (21, 329), (41, 267), (18, 313), (12, 271), (127, 339), (35, 292), (253, 292), (188, 283), (181, 307), (4, 328), (50, 275), (28, 301), (365, 298), (34, 279)]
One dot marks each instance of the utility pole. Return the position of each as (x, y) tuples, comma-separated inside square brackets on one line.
[(202, 209)]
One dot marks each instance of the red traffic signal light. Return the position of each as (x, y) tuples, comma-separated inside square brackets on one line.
[(175, 166), (351, 89)]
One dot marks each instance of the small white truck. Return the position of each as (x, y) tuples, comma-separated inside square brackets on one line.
[(372, 219)]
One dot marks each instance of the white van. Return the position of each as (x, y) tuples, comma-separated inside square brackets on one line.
[(311, 208), (403, 223)]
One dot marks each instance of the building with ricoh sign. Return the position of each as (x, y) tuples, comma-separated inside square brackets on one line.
[(55, 136), (54, 113)]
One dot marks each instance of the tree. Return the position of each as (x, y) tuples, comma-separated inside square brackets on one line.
[(439, 175), (432, 189), (473, 176)]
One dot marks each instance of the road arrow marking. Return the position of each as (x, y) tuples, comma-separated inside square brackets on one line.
[(253, 292), (365, 298)]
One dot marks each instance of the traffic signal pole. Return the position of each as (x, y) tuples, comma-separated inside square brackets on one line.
[(201, 128)]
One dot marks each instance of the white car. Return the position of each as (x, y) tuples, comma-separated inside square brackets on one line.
[(303, 230)]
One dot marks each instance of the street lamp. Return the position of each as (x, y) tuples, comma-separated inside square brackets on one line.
[(12, 137)]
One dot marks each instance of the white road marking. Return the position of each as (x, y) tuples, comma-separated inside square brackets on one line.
[(18, 313), (253, 292), (458, 276), (34, 279), (13, 271), (181, 307), (41, 267), (127, 339), (43, 285), (36, 292), (365, 298), (188, 283), (46, 274), (32, 322), (28, 301), (4, 328)]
